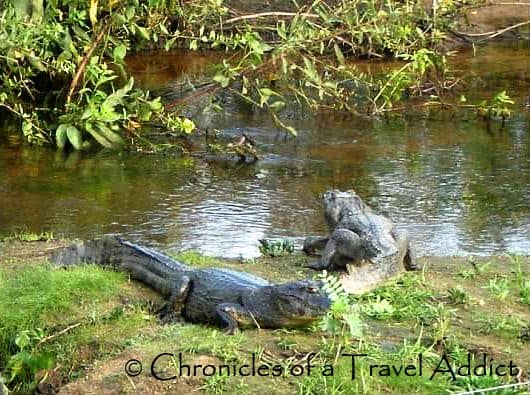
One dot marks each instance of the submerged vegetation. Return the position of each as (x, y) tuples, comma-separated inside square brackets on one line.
[(427, 316), (63, 74)]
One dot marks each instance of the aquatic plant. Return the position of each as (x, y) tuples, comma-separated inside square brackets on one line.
[(275, 248)]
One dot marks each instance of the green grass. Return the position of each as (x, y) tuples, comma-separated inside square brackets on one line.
[(407, 298), (430, 312), (39, 296), (194, 258), (521, 279)]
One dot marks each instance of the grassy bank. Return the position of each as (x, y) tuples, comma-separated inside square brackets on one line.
[(77, 329)]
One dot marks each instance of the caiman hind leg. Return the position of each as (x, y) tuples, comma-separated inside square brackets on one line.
[(171, 310), (404, 244), (232, 316)]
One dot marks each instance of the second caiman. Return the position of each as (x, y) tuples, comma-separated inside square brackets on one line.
[(227, 298), (365, 246)]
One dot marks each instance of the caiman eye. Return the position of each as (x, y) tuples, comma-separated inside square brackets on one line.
[(312, 290)]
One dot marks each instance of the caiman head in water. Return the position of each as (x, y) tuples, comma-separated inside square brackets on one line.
[(300, 303)]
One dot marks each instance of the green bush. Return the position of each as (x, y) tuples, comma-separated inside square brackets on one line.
[(62, 72)]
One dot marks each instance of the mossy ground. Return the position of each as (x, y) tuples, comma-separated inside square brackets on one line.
[(454, 306)]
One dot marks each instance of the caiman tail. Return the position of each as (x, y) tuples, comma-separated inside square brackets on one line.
[(143, 264)]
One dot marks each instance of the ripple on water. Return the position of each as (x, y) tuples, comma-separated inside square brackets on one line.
[(458, 187)]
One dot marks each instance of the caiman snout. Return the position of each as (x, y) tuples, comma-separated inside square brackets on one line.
[(302, 301)]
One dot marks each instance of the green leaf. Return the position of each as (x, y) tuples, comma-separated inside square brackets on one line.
[(339, 55), (129, 13), (310, 70), (163, 28), (60, 136), (119, 53), (156, 104), (97, 136), (259, 47), (169, 43), (80, 33), (284, 66), (119, 19), (282, 31), (109, 134), (354, 324), (144, 113), (36, 63), (74, 136), (93, 12), (267, 92), (222, 79), (27, 128), (277, 105), (116, 98), (22, 340), (187, 125), (142, 32)]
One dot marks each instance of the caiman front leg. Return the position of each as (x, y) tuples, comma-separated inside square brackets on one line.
[(180, 289), (232, 316), (313, 245), (343, 246)]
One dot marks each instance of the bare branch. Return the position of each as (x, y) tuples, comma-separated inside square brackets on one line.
[(267, 14), (86, 58), (495, 33)]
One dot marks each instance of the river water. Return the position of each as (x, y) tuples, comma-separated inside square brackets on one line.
[(458, 185)]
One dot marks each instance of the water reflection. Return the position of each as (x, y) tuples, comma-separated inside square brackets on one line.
[(458, 186)]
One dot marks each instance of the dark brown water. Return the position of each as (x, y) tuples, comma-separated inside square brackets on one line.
[(458, 186)]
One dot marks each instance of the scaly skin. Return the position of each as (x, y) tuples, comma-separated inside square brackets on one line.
[(359, 235), (222, 297)]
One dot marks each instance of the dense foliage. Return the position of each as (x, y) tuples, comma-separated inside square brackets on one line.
[(62, 71), (62, 61), (303, 56)]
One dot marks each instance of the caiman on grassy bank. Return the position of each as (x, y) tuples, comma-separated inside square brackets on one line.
[(448, 309), (226, 298)]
